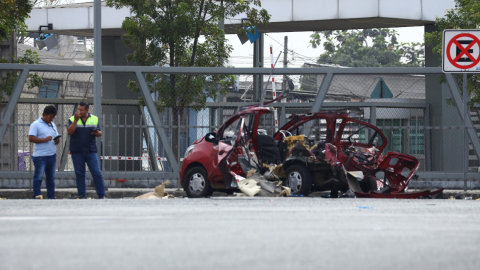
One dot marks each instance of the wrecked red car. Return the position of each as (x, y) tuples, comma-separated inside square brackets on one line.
[(312, 152)]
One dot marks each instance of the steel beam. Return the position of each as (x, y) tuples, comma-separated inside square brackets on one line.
[(449, 176), (283, 116), (266, 71), (135, 175), (221, 70), (148, 139), (317, 104), (427, 133), (17, 90), (373, 115), (420, 104), (66, 148), (322, 92), (70, 175), (152, 109), (132, 102), (97, 65), (42, 68), (466, 147), (472, 133)]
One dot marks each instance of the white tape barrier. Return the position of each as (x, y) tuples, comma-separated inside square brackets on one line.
[(132, 158)]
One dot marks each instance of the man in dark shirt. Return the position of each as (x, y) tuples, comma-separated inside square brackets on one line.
[(83, 129)]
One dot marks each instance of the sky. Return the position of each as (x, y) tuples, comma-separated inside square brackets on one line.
[(298, 42)]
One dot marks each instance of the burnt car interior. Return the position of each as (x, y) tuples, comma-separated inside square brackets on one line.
[(330, 153), (323, 151)]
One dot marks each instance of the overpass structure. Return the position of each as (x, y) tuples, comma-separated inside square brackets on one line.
[(286, 16)]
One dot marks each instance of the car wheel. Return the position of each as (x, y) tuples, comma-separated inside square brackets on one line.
[(299, 179), (196, 184)]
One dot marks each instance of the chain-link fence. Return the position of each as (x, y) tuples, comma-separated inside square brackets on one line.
[(133, 152)]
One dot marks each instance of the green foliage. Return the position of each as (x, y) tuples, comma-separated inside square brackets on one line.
[(363, 48), (367, 48), (7, 82), (167, 32), (465, 15), (12, 17)]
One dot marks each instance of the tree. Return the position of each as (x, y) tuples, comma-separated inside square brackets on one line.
[(168, 32), (465, 15), (351, 48), (13, 14), (363, 48), (7, 82), (44, 3)]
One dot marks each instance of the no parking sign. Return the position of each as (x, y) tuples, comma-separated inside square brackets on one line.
[(461, 51)]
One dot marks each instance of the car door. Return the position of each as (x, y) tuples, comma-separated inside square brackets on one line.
[(229, 148), (360, 144)]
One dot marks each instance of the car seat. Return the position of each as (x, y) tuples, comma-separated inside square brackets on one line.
[(267, 149)]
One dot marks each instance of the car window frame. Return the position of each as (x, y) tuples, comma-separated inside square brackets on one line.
[(338, 135)]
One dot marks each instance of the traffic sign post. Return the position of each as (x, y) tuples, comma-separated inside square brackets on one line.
[(461, 54), (461, 51)]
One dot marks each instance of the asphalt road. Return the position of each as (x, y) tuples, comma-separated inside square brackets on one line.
[(224, 233)]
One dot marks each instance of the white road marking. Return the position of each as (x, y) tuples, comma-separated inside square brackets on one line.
[(13, 218)]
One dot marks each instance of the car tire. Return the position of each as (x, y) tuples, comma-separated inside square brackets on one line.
[(196, 183), (299, 179)]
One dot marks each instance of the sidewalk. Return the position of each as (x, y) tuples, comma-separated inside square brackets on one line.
[(70, 193), (130, 193)]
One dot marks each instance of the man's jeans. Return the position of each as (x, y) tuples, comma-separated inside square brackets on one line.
[(79, 160), (47, 165)]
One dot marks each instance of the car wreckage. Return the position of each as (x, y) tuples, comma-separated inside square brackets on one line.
[(312, 152)]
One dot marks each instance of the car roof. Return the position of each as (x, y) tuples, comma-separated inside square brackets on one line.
[(337, 114), (295, 118), (253, 109)]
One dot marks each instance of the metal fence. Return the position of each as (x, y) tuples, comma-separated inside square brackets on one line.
[(139, 143)]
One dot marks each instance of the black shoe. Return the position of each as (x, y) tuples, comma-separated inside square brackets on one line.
[(81, 197)]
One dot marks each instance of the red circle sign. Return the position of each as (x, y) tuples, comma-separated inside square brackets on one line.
[(464, 51)]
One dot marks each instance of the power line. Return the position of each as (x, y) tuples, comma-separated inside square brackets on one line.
[(298, 54)]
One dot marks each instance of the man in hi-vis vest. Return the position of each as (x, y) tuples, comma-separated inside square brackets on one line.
[(83, 129)]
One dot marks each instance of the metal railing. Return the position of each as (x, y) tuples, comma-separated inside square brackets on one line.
[(136, 146)]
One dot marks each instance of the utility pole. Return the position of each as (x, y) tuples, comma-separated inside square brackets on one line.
[(258, 62), (285, 63), (283, 110)]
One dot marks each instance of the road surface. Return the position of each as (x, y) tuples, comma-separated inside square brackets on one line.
[(246, 233)]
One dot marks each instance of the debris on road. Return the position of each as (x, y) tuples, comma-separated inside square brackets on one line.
[(256, 185), (158, 193)]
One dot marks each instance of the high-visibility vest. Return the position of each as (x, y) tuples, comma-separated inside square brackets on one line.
[(82, 140)]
